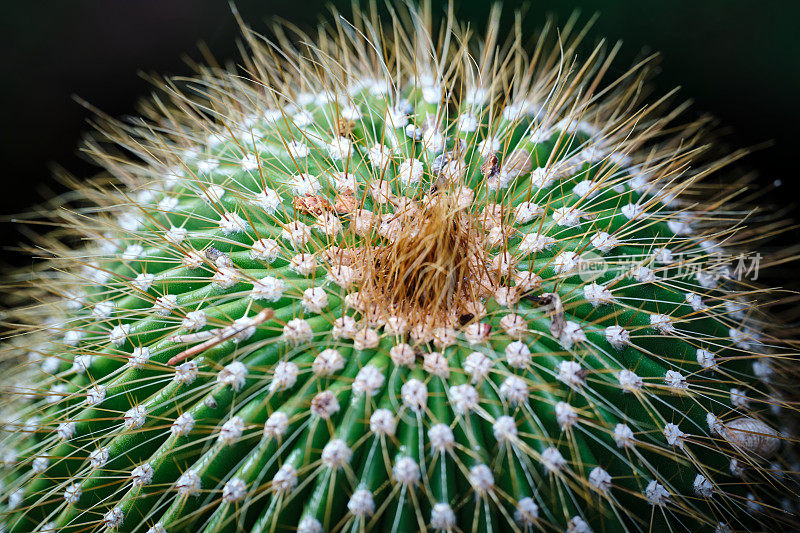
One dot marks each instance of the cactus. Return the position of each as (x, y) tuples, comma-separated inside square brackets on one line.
[(402, 278)]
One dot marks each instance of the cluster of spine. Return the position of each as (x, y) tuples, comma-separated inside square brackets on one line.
[(221, 353)]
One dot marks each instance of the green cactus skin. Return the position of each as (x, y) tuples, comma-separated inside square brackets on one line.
[(642, 396)]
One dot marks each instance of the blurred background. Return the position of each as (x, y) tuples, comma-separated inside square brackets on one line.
[(738, 60)]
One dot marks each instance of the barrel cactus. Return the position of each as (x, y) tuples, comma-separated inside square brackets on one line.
[(399, 277)]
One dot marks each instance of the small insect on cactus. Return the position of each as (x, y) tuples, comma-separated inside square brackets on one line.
[(399, 279)]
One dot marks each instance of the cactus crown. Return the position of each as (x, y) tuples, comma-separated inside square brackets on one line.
[(402, 278)]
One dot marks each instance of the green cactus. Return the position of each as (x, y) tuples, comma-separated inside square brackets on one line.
[(400, 279)]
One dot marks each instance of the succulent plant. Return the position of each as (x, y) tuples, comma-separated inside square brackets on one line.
[(402, 278)]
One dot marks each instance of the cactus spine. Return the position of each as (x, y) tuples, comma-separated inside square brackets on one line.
[(401, 279)]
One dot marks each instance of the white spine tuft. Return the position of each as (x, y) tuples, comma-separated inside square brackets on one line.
[(369, 380), (441, 438), (327, 363), (142, 475), (325, 404), (414, 394), (629, 381), (284, 376), (518, 354), (477, 366), (183, 425), (285, 479), (276, 424), (72, 494), (443, 518), (361, 503), (297, 331), (113, 519), (234, 374), (656, 494), (674, 436), (577, 524), (552, 460), (703, 487), (231, 430), (623, 436), (571, 373), (566, 415), (406, 471), (309, 524), (234, 490), (188, 484), (186, 373), (135, 417), (514, 390), (98, 458), (526, 512), (618, 337), (383, 422), (336, 454), (463, 398), (599, 480), (675, 380), (504, 429), (481, 479), (402, 355)]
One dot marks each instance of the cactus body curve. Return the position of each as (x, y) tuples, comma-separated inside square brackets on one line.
[(398, 280)]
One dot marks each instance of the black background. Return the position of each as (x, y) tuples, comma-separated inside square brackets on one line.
[(738, 60)]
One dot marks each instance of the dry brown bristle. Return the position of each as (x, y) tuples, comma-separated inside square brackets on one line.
[(346, 202), (430, 269), (311, 204), (344, 127)]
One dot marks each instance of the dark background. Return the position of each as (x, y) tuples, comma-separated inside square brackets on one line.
[(738, 60)]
